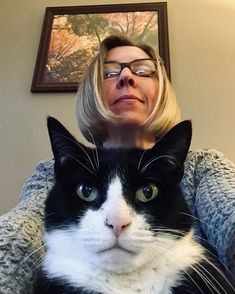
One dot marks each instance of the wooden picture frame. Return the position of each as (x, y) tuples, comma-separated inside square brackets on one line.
[(71, 34)]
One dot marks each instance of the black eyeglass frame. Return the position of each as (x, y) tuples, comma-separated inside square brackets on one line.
[(128, 65)]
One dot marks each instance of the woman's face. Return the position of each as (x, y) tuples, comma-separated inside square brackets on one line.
[(127, 95)]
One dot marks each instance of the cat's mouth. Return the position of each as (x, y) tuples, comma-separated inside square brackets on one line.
[(116, 248)]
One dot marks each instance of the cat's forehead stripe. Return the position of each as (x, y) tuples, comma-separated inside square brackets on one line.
[(115, 188)]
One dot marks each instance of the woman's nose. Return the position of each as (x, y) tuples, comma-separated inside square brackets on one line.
[(126, 78)]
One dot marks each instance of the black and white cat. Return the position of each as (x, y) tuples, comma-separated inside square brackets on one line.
[(116, 221)]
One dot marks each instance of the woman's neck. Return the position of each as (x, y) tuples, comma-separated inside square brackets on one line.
[(128, 136)]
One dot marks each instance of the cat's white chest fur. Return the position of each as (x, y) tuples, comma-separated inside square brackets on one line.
[(112, 250), (158, 276)]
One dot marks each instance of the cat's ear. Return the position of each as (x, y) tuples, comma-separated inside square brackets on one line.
[(171, 151), (177, 141), (63, 144), (68, 152)]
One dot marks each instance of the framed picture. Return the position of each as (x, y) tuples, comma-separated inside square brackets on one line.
[(71, 35)]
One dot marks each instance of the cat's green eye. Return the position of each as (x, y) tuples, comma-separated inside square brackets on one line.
[(87, 193), (146, 193)]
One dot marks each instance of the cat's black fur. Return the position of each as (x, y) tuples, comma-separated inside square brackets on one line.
[(169, 209)]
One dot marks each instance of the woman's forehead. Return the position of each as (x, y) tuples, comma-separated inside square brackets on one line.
[(125, 54)]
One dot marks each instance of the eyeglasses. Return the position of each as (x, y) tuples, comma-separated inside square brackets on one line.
[(145, 67)]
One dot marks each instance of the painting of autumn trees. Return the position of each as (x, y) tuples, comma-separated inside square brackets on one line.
[(71, 37), (75, 39)]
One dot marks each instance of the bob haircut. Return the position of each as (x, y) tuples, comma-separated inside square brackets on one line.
[(91, 112)]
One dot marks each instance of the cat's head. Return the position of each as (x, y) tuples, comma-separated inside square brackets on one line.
[(117, 208)]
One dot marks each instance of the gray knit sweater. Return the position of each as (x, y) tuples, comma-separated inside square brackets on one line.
[(208, 186)]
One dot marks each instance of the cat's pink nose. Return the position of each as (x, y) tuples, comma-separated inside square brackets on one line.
[(117, 225)]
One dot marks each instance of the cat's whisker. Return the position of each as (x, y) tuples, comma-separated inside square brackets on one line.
[(36, 264), (35, 251), (96, 156), (24, 262), (205, 241), (61, 150), (196, 219), (172, 234), (125, 171), (218, 260), (165, 251), (201, 272), (81, 147), (142, 241), (144, 236), (192, 280), (141, 158), (49, 215), (180, 232), (157, 158), (78, 161), (201, 221), (219, 271), (160, 249)]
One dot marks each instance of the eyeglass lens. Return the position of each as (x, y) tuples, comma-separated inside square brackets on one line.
[(139, 67)]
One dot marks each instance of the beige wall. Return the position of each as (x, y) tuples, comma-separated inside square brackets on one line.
[(202, 45)]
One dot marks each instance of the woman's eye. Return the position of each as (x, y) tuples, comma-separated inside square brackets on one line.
[(110, 74), (140, 72), (143, 72), (146, 193), (87, 193)]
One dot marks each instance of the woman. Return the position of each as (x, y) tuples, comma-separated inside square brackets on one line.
[(132, 107), (125, 99)]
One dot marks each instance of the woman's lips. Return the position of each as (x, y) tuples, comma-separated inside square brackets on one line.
[(127, 98)]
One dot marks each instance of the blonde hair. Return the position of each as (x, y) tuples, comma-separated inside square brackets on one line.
[(92, 114)]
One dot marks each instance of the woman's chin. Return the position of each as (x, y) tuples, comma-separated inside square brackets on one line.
[(130, 119)]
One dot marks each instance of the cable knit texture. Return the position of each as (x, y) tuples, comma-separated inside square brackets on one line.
[(208, 186)]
